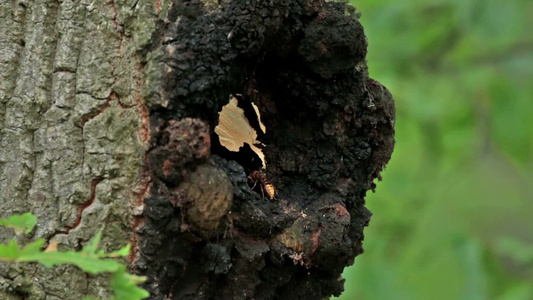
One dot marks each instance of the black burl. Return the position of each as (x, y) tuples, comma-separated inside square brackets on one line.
[(206, 233)]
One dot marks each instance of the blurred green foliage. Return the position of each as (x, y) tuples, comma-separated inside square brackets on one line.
[(89, 259), (453, 217)]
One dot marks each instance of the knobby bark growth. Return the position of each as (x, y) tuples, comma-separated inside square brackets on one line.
[(107, 115), (329, 134)]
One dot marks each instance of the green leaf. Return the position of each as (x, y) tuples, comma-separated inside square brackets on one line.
[(20, 223), (87, 262), (12, 253), (88, 259), (93, 244), (124, 251), (124, 285)]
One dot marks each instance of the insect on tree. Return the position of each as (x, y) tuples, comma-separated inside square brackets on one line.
[(266, 186)]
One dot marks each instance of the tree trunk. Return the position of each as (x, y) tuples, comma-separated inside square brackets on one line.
[(73, 132), (108, 112)]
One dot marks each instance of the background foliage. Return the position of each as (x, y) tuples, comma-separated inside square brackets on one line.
[(453, 216)]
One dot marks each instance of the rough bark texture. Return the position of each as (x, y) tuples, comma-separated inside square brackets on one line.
[(329, 134), (107, 114), (73, 131)]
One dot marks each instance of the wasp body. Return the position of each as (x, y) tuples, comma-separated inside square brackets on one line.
[(266, 186)]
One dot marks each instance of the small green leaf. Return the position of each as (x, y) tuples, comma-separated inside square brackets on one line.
[(124, 285), (87, 262), (12, 253), (20, 223), (124, 251), (93, 244), (88, 259)]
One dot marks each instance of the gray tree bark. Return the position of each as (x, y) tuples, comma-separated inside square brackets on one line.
[(73, 131), (107, 117)]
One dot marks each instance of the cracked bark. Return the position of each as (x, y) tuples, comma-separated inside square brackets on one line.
[(107, 113), (73, 131)]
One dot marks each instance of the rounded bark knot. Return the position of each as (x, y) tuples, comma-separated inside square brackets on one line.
[(179, 143), (333, 42), (381, 98), (189, 138), (319, 234), (207, 194), (312, 7)]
